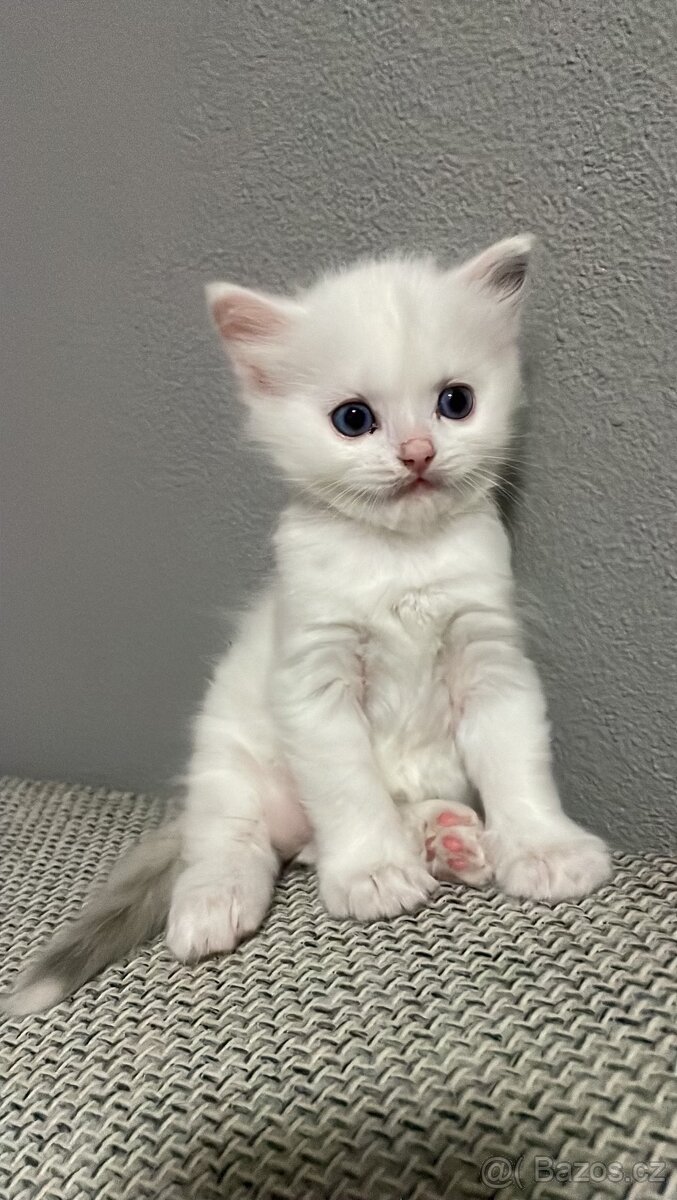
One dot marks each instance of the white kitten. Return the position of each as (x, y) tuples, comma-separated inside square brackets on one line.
[(380, 684)]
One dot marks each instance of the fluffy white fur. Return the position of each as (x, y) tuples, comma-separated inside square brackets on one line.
[(381, 681), (380, 685)]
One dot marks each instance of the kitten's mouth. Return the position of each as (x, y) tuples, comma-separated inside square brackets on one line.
[(417, 487)]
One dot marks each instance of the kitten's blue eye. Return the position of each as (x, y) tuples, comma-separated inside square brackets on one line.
[(455, 402), (353, 419)]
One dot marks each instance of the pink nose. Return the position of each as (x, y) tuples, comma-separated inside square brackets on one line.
[(417, 454)]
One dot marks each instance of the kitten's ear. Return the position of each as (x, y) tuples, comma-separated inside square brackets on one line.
[(253, 327), (501, 271)]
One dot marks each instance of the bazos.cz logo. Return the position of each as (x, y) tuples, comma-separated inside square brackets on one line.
[(500, 1171)]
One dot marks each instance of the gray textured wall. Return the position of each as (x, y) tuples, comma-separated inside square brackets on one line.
[(153, 146)]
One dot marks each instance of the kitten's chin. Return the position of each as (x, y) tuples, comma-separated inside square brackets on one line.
[(411, 509)]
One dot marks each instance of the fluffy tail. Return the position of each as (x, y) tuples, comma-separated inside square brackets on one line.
[(131, 908)]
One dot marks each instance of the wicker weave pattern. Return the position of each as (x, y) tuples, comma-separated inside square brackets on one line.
[(334, 1060)]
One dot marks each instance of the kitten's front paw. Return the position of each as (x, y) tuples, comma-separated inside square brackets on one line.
[(557, 869), (382, 890), (212, 916)]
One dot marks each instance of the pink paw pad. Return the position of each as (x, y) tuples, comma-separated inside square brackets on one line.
[(453, 845), (456, 818), (458, 865)]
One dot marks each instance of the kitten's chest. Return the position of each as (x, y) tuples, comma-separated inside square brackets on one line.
[(406, 689), (418, 614), (405, 647)]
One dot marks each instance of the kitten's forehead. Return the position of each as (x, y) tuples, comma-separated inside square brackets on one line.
[(389, 324), (390, 293)]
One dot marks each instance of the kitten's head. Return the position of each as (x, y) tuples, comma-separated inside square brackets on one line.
[(387, 390)]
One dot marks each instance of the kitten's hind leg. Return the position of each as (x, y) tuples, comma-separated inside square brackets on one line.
[(241, 819), (238, 828), (452, 837), (215, 905)]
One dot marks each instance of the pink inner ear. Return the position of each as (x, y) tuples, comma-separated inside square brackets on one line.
[(242, 318)]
